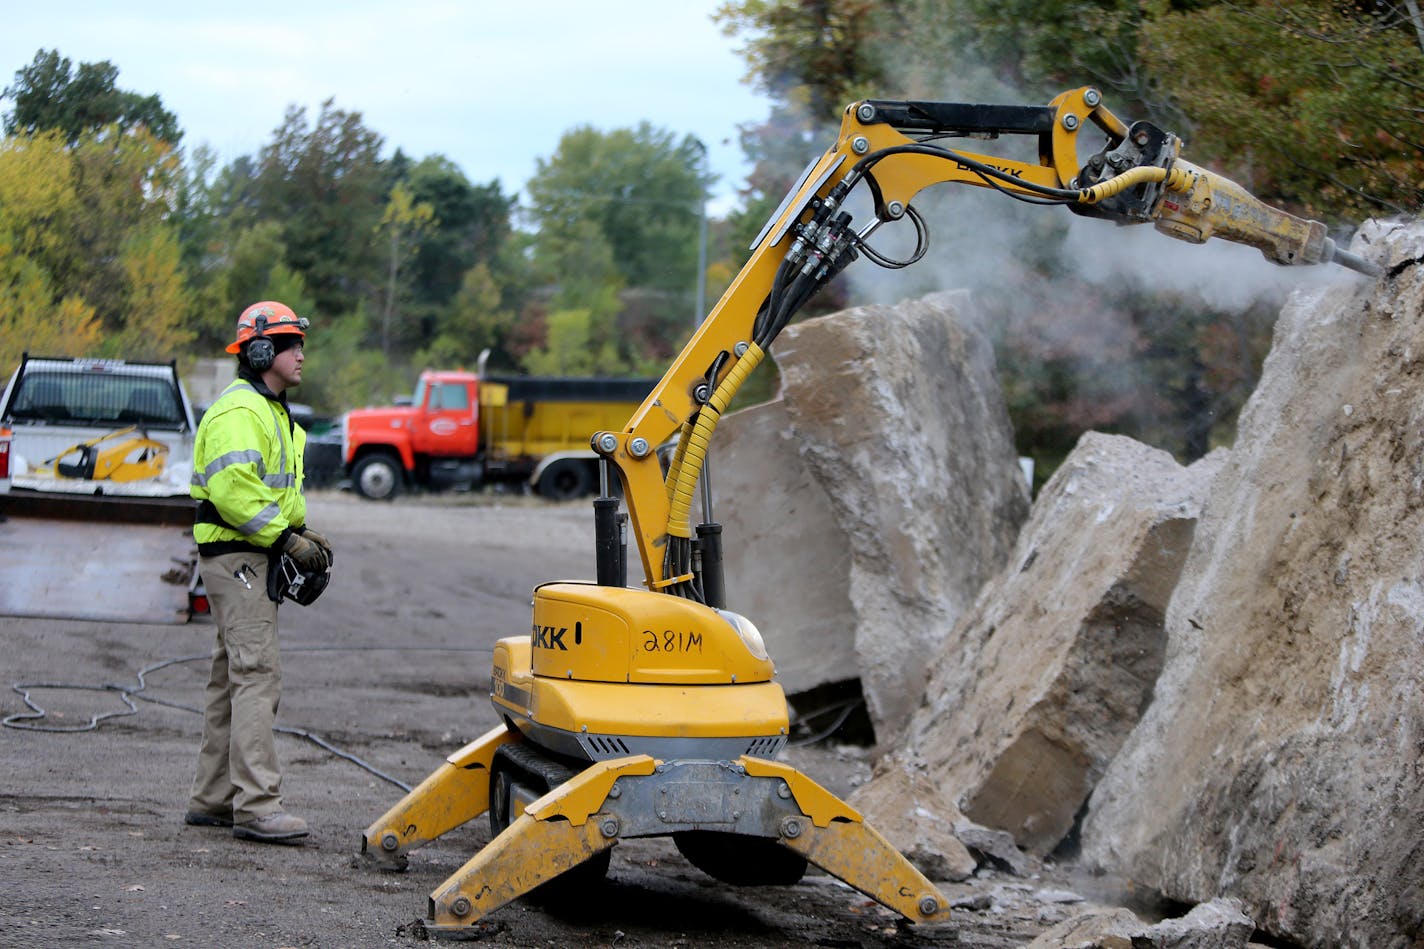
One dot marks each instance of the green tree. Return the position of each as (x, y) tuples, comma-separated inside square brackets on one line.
[(200, 234), (814, 55), (325, 183), (341, 369), (476, 320), (155, 317), (31, 320), (470, 236), (39, 201), (246, 259), (50, 94), (285, 284), (472, 225), (638, 191), (572, 349), (589, 295), (125, 186), (1040, 47), (1313, 103), (89, 225), (405, 222)]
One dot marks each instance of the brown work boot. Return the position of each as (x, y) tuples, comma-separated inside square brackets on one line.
[(273, 829)]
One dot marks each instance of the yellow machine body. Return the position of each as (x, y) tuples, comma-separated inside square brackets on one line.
[(594, 633), (608, 669), (640, 713), (673, 713)]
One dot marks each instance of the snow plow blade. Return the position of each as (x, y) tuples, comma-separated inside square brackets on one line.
[(114, 558), (752, 800)]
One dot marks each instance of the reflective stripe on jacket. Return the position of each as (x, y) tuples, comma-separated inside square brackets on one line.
[(247, 467)]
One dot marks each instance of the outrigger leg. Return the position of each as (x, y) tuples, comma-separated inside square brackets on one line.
[(454, 794), (640, 797)]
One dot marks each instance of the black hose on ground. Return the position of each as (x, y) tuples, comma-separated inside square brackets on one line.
[(28, 721)]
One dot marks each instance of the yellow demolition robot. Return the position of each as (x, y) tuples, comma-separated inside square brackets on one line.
[(655, 712)]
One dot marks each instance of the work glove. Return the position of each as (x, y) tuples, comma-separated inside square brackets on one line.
[(321, 542), (307, 553)]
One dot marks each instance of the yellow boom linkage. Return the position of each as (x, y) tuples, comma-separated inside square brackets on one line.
[(639, 713)]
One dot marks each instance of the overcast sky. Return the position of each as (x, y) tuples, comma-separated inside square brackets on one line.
[(491, 86)]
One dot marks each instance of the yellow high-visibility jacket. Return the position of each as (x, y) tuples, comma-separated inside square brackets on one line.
[(247, 472)]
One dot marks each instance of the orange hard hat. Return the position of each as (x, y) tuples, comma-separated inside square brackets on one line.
[(268, 318)]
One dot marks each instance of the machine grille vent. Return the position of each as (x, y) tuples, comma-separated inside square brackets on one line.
[(607, 747), (767, 747)]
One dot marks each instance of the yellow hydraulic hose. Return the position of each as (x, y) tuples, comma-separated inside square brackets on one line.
[(679, 454), (680, 510), (1177, 180)]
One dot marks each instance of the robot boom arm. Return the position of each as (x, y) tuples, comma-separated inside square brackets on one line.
[(894, 149)]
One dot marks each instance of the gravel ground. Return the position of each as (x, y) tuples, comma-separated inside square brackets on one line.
[(390, 668)]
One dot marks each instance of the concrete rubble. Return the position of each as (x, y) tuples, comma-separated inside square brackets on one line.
[(791, 570), (918, 820), (876, 404), (1040, 684), (1281, 759), (1219, 924), (1205, 678)]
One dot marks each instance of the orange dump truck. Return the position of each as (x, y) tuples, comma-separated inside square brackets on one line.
[(462, 430)]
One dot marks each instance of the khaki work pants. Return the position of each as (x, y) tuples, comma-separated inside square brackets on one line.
[(237, 762)]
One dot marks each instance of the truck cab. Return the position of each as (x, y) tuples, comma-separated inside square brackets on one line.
[(446, 414), (434, 440)]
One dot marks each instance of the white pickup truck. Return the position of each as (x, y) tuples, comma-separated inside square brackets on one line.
[(95, 518)]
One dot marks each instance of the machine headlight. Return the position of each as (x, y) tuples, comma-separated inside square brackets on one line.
[(746, 629)]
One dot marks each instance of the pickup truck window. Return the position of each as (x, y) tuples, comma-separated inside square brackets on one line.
[(81, 398)]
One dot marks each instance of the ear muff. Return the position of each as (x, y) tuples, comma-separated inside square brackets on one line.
[(260, 351), (261, 354)]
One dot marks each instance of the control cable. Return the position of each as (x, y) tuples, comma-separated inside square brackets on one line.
[(28, 721)]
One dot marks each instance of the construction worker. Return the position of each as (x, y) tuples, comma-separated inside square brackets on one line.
[(247, 476)]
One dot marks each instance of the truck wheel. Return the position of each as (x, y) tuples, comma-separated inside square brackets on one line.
[(376, 477), (565, 480)]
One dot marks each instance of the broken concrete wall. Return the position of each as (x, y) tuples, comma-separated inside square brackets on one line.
[(786, 562), (1282, 759), (897, 415), (1041, 683)]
